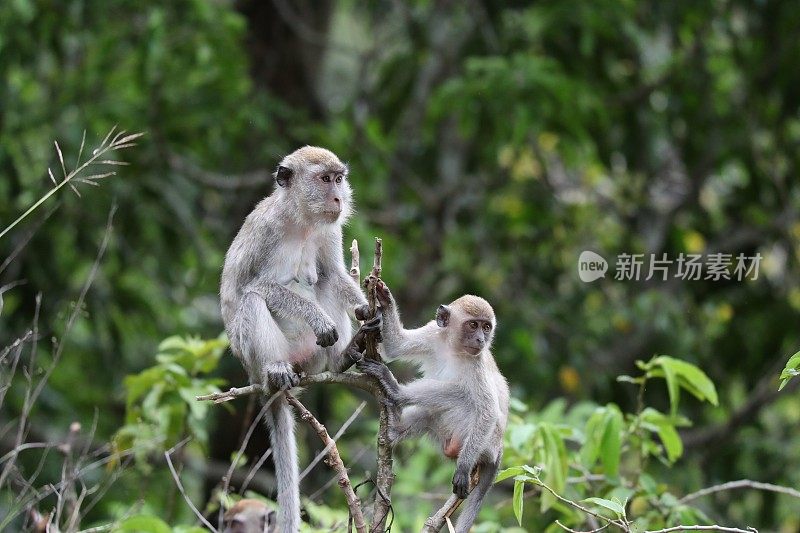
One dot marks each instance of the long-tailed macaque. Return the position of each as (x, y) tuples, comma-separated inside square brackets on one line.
[(461, 400), (286, 294)]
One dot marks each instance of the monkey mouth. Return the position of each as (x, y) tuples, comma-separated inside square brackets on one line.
[(331, 215)]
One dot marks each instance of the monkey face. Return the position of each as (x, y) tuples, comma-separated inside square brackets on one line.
[(472, 324), (317, 181), (332, 193), (476, 334)]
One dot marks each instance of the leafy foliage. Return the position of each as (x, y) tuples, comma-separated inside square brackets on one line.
[(607, 452), (161, 406)]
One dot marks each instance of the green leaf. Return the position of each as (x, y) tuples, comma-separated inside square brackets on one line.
[(140, 523), (611, 442), (555, 462), (791, 370), (672, 442), (664, 426), (518, 501), (593, 436), (509, 472), (672, 383), (614, 507), (680, 374)]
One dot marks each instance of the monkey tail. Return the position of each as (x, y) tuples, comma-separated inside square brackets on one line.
[(280, 420), (473, 503)]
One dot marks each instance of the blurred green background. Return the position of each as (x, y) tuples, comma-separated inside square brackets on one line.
[(489, 143)]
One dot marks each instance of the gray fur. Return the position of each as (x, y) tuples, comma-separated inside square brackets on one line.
[(459, 395), (286, 296)]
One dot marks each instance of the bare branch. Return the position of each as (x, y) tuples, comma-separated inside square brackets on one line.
[(562, 526), (355, 262), (704, 528), (359, 381), (335, 462), (740, 484), (334, 440), (183, 491)]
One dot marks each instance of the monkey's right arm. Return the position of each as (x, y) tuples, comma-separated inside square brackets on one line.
[(286, 303), (398, 342)]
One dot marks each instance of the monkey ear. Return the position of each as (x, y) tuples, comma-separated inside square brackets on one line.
[(443, 316), (283, 175)]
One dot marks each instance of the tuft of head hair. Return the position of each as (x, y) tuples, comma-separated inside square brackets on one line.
[(313, 155), (474, 306)]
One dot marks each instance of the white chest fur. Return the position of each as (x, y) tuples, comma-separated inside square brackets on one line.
[(299, 266)]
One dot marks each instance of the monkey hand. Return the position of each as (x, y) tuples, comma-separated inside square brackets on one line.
[(281, 376), (383, 295), (372, 325), (326, 333), (373, 368), (362, 312), (461, 482), (386, 380)]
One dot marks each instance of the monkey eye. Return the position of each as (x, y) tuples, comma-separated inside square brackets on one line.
[(487, 328), (326, 178), (473, 324), (338, 179)]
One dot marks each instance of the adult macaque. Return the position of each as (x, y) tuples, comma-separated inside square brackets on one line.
[(286, 295), (461, 400)]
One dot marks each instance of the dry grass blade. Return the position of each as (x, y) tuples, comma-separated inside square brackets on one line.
[(112, 162), (52, 178), (105, 140), (127, 139), (61, 160), (95, 177), (80, 150)]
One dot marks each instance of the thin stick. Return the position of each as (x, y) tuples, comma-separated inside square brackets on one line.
[(384, 478), (334, 440), (355, 262), (741, 484), (371, 341), (562, 526), (335, 462), (183, 492), (704, 528), (359, 381)]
